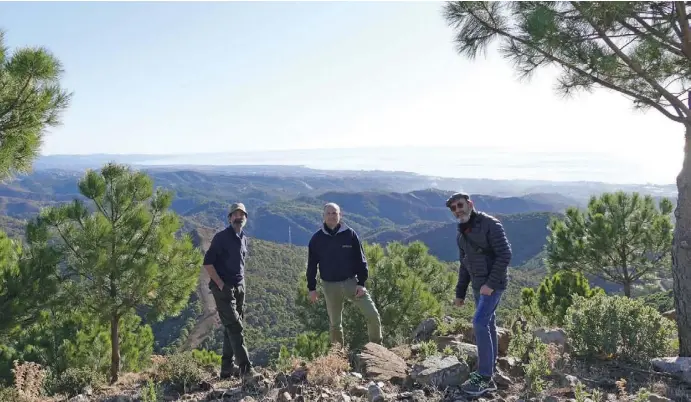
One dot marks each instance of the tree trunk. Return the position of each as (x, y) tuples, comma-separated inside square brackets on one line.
[(115, 348), (681, 254), (627, 289)]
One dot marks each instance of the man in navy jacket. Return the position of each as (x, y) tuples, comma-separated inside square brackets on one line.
[(335, 250)]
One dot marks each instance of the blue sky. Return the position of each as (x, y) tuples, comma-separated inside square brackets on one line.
[(166, 78)]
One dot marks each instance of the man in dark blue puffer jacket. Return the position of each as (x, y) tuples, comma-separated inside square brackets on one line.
[(485, 254)]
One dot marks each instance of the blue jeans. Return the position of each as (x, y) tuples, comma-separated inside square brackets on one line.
[(485, 326)]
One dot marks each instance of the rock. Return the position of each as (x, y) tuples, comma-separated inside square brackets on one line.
[(80, 398), (504, 336), (374, 393), (441, 372), (550, 398), (222, 393), (284, 397), (299, 375), (502, 380), (419, 395), (555, 336), (356, 375), (679, 367), (670, 315), (470, 352), (357, 390), (343, 397), (658, 398), (405, 352), (380, 364), (447, 341), (248, 399), (424, 330), (510, 365), (281, 380)]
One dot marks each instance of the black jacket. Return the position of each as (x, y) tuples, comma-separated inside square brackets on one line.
[(227, 253), (338, 257), (485, 254)]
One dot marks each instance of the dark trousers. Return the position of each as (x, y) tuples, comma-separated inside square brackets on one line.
[(230, 303)]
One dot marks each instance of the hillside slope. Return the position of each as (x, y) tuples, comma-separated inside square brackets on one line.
[(527, 234)]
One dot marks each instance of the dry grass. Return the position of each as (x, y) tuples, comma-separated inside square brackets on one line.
[(327, 370), (28, 380)]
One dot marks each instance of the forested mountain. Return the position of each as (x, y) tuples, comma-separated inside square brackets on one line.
[(288, 209)]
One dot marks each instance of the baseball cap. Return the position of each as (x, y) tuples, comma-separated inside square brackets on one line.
[(456, 197)]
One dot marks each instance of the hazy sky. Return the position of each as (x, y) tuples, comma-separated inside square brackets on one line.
[(209, 77)]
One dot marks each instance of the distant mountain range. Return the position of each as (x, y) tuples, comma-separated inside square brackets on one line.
[(285, 208)]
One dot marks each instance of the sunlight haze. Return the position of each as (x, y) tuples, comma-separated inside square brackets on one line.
[(174, 78)]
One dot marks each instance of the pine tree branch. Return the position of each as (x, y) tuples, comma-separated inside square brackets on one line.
[(681, 108), (643, 99), (664, 40)]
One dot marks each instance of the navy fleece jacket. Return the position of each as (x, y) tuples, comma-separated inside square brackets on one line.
[(338, 257)]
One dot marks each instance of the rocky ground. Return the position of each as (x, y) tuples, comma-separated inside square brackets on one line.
[(431, 369)]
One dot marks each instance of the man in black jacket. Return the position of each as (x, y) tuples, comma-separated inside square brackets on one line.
[(335, 250), (225, 263), (485, 254)]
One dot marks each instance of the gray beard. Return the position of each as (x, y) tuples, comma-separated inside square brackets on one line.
[(238, 226), (464, 218)]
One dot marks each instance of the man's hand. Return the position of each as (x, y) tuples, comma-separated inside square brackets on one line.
[(360, 291), (486, 290), (313, 296), (458, 302)]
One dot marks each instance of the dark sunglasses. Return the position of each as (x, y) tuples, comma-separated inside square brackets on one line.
[(454, 207)]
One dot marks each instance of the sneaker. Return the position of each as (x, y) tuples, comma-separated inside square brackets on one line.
[(478, 385)]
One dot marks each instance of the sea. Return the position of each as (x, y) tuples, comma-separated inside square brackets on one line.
[(486, 163)]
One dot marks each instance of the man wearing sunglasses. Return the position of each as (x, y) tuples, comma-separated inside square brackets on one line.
[(485, 254)]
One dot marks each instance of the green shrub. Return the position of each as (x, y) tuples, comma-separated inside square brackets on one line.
[(182, 371), (73, 381), (151, 392), (310, 345), (428, 348), (207, 359), (616, 326), (555, 295)]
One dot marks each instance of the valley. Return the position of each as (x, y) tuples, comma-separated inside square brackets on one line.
[(285, 209)]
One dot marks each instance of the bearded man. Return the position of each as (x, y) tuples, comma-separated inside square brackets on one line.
[(485, 254), (225, 263)]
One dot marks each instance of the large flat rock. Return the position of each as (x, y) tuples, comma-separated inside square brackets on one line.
[(380, 364), (679, 367)]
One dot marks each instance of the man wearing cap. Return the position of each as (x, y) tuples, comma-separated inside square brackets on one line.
[(337, 253), (225, 263), (485, 254)]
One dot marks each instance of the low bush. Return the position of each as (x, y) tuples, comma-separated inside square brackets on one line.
[(73, 381), (618, 327)]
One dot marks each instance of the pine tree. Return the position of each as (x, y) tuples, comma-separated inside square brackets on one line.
[(621, 238), (120, 252)]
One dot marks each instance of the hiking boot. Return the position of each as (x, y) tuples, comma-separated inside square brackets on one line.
[(478, 385), (234, 371), (250, 375)]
